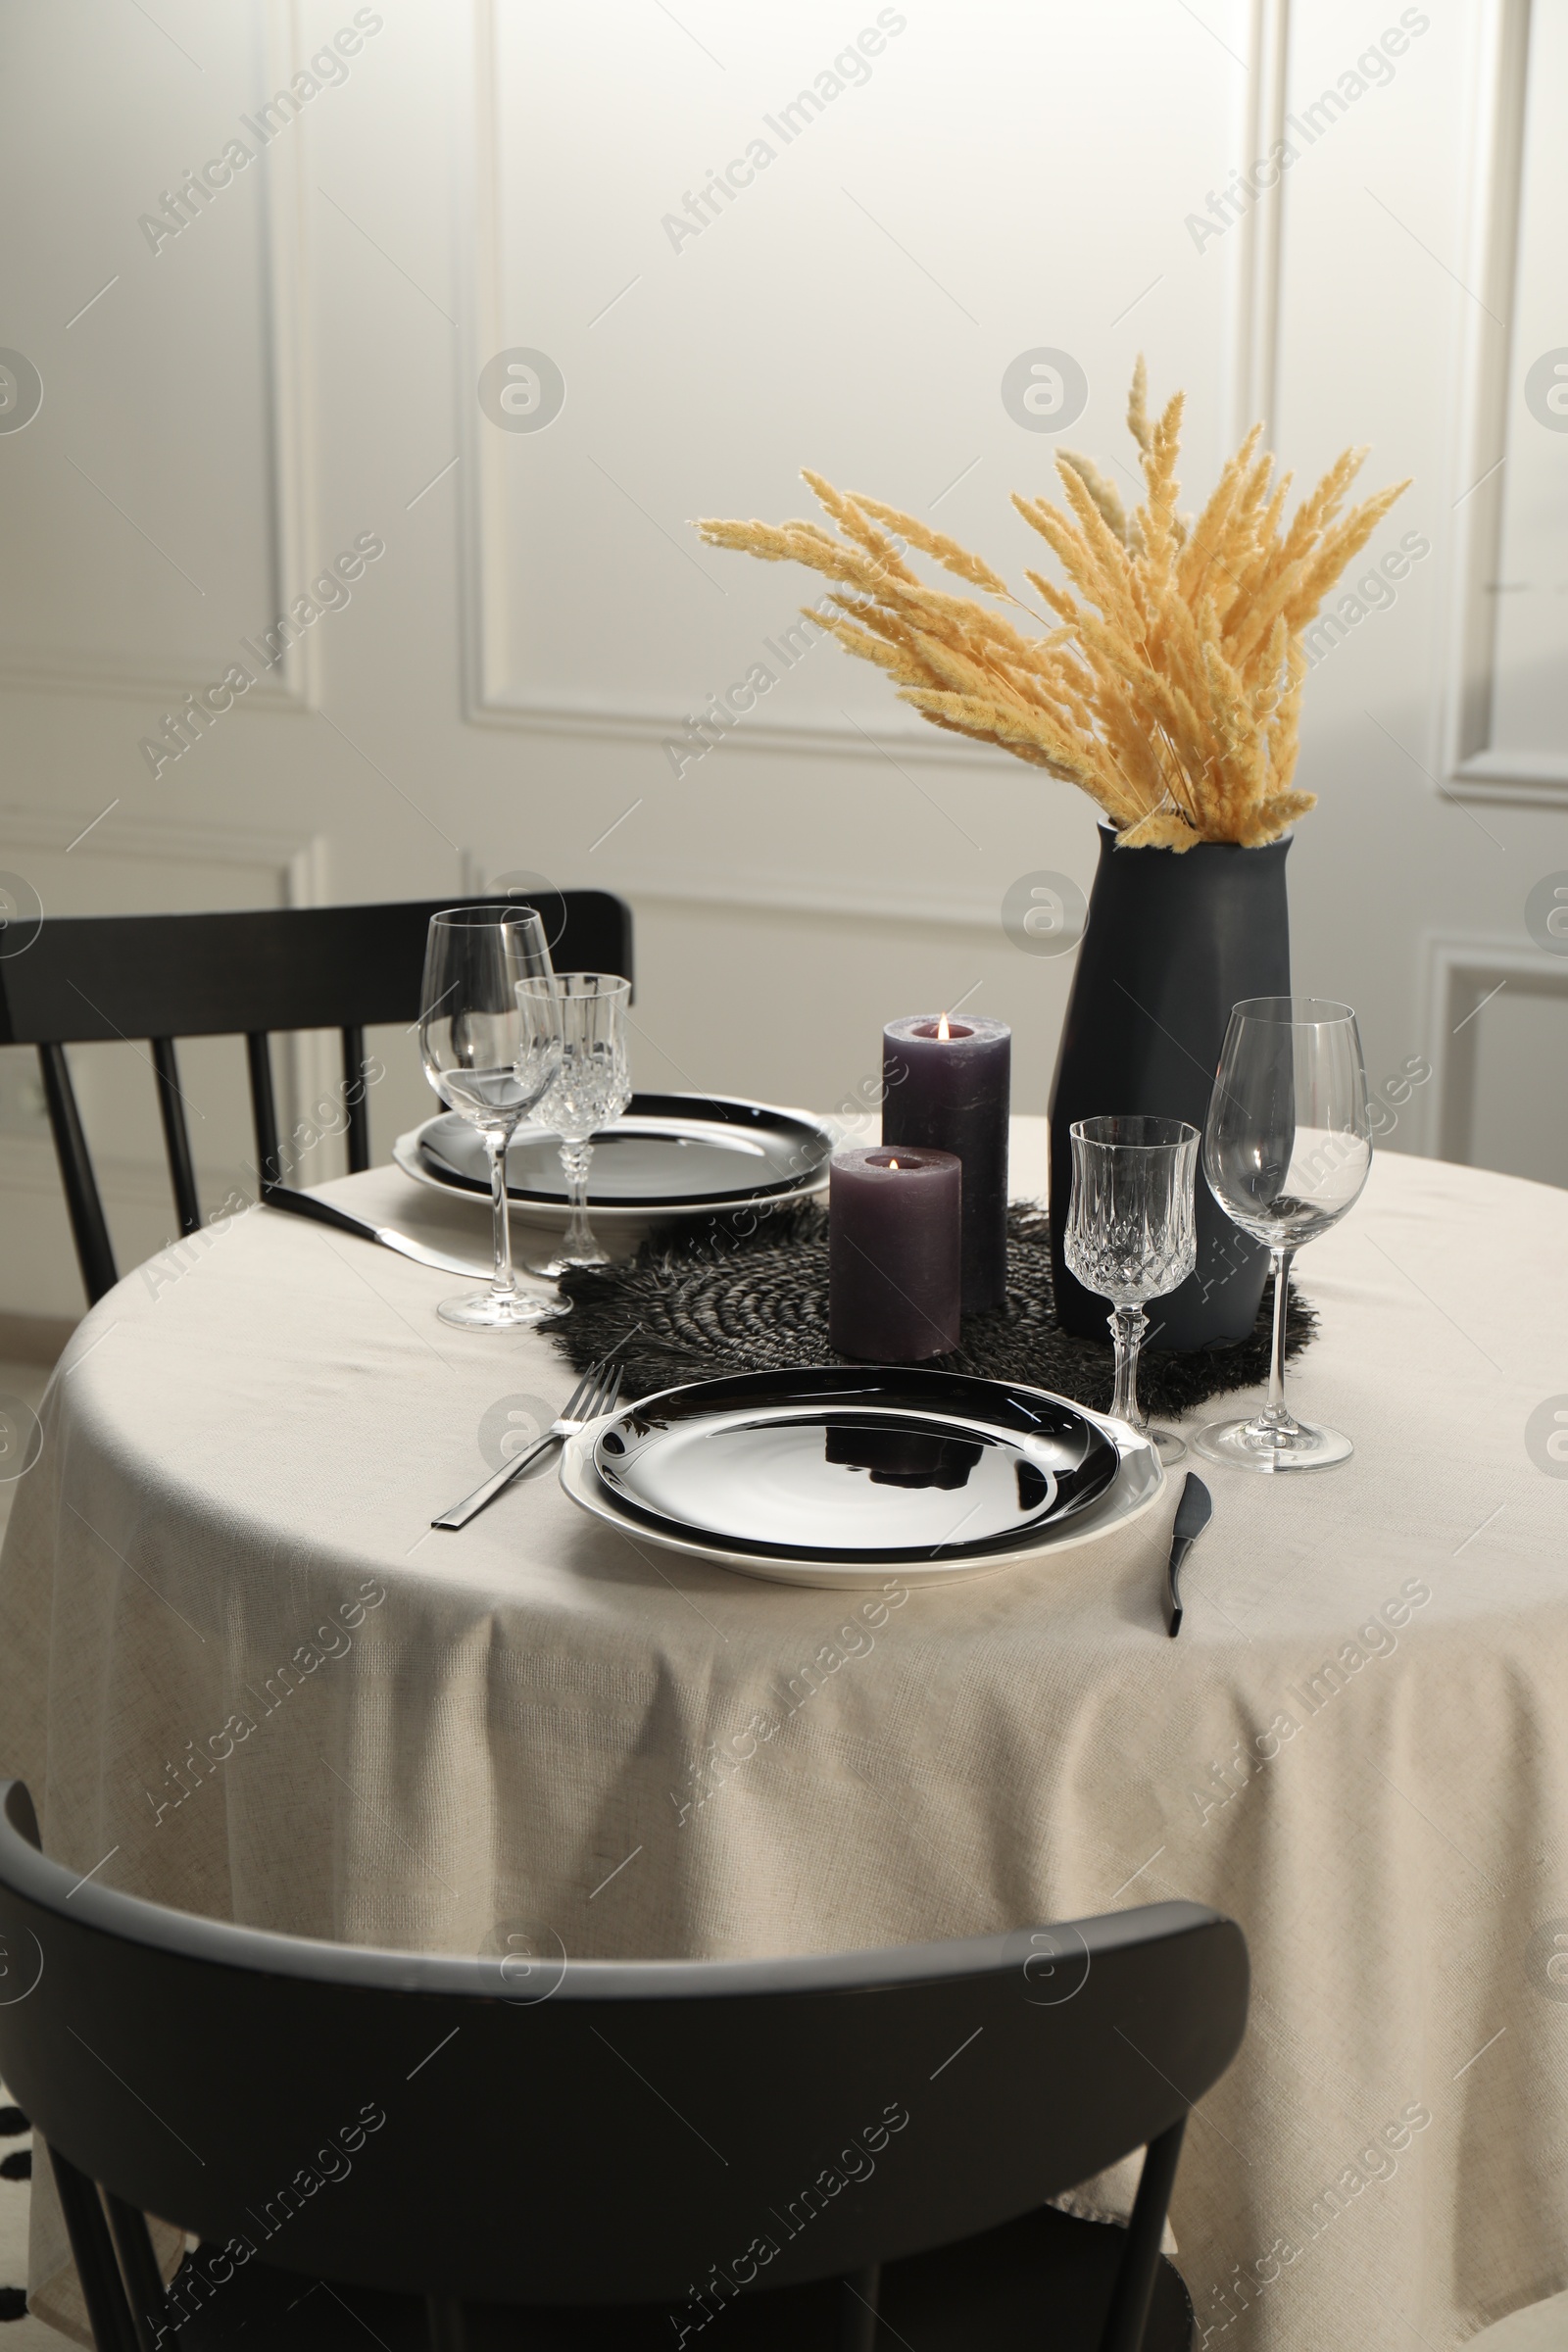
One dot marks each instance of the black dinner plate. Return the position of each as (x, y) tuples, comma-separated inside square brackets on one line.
[(843, 1463), (667, 1149)]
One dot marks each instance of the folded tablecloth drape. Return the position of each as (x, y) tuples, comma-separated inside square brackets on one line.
[(243, 1675)]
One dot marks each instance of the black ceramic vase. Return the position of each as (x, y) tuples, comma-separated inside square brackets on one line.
[(1173, 942)]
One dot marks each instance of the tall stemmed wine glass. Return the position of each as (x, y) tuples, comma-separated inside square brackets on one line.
[(1132, 1235), (1287, 1149), (481, 1066), (591, 1088)]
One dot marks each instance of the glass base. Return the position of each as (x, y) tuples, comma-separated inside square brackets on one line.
[(502, 1310), (562, 1263), (1253, 1446), (1166, 1443)]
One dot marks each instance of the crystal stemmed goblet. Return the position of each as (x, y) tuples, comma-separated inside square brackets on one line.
[(471, 1041), (1132, 1235), (591, 1088), (1286, 1147)]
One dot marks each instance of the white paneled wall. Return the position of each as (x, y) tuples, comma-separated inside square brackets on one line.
[(511, 684)]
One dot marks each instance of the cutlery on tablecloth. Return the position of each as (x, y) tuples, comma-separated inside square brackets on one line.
[(1193, 1514), (597, 1392), (306, 1204)]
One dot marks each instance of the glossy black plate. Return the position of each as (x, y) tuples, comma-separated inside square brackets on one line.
[(665, 1151), (842, 1463)]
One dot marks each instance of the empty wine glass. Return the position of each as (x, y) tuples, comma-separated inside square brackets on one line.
[(472, 1042), (1287, 1148), (1132, 1234), (591, 1088)]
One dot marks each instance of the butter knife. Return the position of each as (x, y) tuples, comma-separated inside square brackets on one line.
[(1193, 1514), (306, 1204)]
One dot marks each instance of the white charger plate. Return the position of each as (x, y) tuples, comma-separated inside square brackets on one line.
[(1136, 1488)]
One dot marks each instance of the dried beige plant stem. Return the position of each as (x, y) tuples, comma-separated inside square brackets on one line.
[(1167, 684)]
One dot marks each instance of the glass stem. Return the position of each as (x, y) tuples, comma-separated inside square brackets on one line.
[(503, 1283), (574, 1158), (1275, 1415), (1128, 1324)]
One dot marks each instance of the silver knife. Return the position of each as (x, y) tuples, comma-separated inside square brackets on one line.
[(306, 1204), (1193, 1514)]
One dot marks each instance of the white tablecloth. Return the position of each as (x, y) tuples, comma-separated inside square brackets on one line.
[(235, 1659)]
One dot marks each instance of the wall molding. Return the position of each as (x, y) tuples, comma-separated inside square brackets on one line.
[(1477, 768), (796, 895), (289, 471), (1254, 318), (1459, 975), (300, 865), (1526, 779), (285, 282), (784, 894), (604, 722), (479, 294), (25, 670), (1256, 286)]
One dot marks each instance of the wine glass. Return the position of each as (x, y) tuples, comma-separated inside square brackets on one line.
[(1132, 1234), (478, 1062), (1287, 1149), (591, 1088)]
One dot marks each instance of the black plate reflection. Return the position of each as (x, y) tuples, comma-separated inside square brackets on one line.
[(666, 1150), (843, 1464)]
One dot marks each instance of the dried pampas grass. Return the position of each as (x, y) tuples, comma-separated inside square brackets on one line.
[(1169, 689)]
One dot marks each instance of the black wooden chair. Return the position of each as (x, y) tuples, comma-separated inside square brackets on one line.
[(838, 2154), (160, 977)]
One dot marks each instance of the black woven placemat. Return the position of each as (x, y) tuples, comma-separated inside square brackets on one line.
[(750, 1295)]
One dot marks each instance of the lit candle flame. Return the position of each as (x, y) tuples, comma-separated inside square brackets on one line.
[(893, 1163), (942, 1027)]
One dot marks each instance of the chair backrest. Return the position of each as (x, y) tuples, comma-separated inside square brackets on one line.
[(159, 977), (549, 2131)]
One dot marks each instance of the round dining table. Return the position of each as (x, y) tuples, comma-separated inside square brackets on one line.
[(244, 1676)]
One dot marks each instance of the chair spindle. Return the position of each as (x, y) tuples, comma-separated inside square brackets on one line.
[(177, 1134), (89, 1228), (860, 2292), (264, 1110), (449, 2329), (355, 1100), (138, 2264), (1128, 2316), (94, 2254)]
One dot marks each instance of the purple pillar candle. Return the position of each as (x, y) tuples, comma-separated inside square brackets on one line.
[(947, 1083), (895, 1255)]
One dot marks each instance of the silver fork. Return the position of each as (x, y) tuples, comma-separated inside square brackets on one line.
[(596, 1393)]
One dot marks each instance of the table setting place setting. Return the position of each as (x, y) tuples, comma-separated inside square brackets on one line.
[(817, 1361), (901, 1420)]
